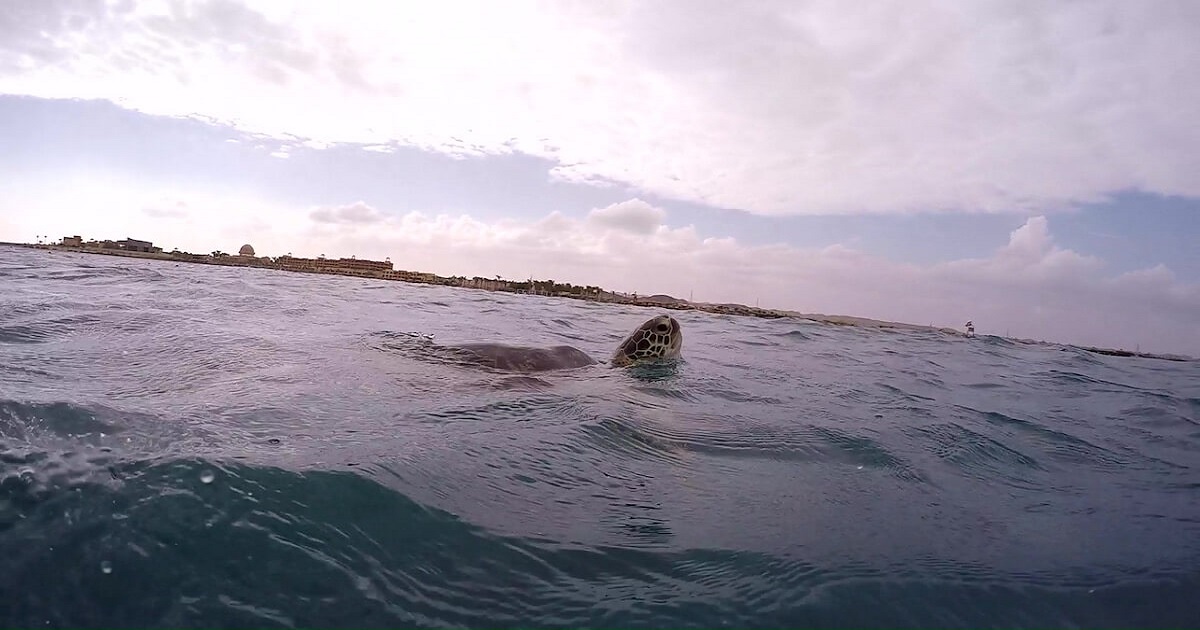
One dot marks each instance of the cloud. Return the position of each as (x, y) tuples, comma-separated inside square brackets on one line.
[(1030, 287), (776, 107), (167, 210), (1030, 255), (634, 216), (356, 213)]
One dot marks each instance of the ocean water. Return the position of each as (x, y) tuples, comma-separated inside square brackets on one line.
[(185, 445)]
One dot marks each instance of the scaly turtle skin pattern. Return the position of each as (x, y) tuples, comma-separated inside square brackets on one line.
[(658, 338)]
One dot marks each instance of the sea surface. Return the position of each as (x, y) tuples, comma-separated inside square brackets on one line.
[(198, 446)]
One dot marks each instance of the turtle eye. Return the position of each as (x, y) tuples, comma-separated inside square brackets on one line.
[(662, 328)]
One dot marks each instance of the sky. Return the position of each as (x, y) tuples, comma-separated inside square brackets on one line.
[(1028, 165)]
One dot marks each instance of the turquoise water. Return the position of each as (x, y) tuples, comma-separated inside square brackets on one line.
[(184, 445)]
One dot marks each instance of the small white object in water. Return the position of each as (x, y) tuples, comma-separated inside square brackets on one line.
[(860, 467), (106, 567), (207, 476)]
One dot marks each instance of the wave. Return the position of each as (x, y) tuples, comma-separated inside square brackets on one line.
[(335, 546), (204, 446)]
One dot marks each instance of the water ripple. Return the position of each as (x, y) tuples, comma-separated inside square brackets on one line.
[(185, 445)]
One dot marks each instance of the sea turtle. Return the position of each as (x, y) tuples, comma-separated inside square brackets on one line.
[(658, 338)]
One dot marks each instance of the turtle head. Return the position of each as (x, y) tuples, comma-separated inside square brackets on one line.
[(659, 338)]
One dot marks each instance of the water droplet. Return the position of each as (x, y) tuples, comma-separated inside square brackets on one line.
[(207, 476), (106, 567)]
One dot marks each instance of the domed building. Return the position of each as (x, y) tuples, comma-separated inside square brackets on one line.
[(246, 250)]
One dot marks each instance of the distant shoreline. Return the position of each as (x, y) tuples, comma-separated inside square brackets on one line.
[(606, 297)]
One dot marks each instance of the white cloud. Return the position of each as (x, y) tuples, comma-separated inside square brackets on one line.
[(634, 216), (776, 107), (167, 209), (1031, 287), (354, 213), (1029, 256)]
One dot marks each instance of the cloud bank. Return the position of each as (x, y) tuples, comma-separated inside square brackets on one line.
[(775, 107), (1031, 287), (354, 213)]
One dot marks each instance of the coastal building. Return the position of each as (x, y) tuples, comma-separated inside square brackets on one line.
[(293, 263), (411, 276), (134, 245), (246, 258), (490, 284), (72, 241), (360, 267)]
